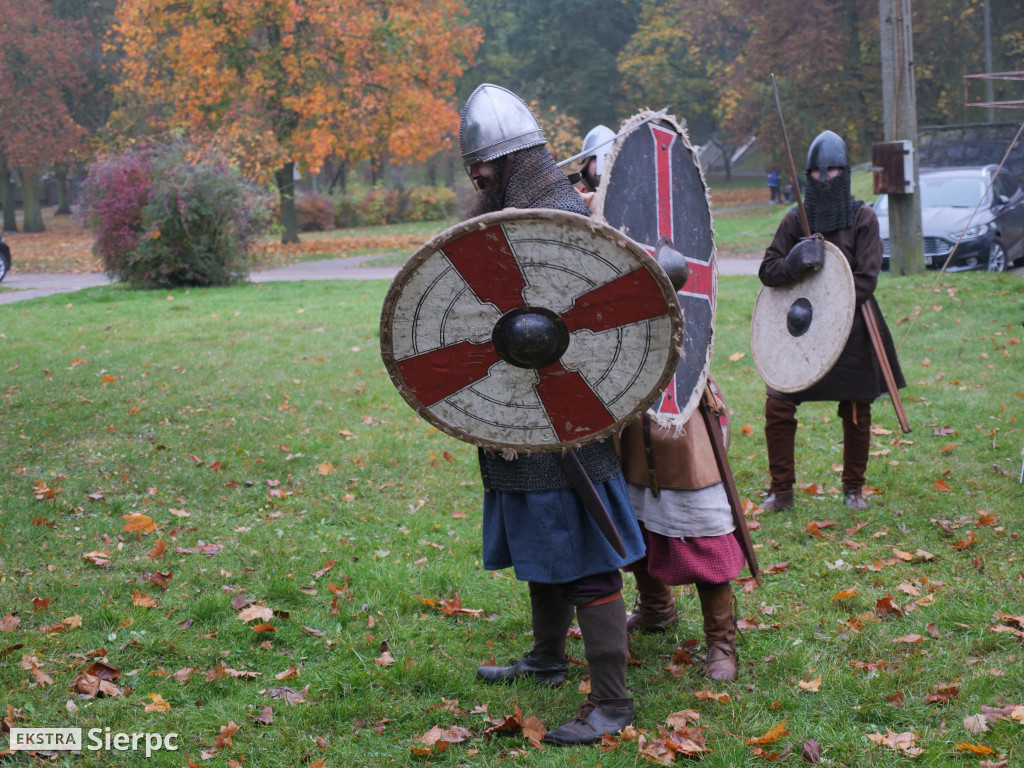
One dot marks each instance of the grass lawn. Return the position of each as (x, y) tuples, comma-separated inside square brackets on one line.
[(216, 506)]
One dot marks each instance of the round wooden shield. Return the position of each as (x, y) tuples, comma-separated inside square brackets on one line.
[(653, 187), (799, 330), (530, 330)]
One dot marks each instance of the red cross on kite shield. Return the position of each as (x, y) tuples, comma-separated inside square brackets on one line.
[(653, 187)]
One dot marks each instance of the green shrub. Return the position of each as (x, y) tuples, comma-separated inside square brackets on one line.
[(163, 218)]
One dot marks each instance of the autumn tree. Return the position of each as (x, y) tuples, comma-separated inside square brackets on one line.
[(40, 69), (284, 83)]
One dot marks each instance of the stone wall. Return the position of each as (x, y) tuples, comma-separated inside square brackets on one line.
[(977, 144)]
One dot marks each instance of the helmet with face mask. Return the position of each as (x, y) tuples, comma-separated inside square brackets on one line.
[(829, 203), (496, 122)]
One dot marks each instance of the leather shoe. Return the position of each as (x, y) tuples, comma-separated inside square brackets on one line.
[(544, 671), (593, 720)]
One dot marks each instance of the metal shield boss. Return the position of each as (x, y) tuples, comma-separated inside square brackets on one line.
[(530, 330), (799, 330), (653, 187)]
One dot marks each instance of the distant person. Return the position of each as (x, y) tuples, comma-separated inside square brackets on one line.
[(773, 186)]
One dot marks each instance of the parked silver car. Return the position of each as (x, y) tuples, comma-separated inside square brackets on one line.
[(993, 238)]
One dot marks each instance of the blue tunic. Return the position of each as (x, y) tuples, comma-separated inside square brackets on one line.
[(550, 537)]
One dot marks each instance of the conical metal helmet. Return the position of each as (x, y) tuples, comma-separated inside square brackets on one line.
[(496, 122), (827, 151), (599, 140)]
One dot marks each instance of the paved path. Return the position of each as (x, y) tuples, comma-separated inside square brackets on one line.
[(31, 286)]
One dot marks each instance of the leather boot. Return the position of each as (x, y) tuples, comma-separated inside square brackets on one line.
[(856, 416), (780, 437), (716, 603), (603, 628), (546, 663), (655, 609), (592, 721), (778, 501)]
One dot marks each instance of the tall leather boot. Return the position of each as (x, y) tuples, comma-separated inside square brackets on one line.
[(780, 437), (716, 603), (655, 609), (607, 710), (856, 416), (546, 663)]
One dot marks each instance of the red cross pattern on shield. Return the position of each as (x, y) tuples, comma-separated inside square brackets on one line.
[(653, 187)]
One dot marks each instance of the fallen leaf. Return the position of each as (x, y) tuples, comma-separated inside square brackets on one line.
[(901, 742), (811, 751), (975, 749), (143, 601), (976, 724), (771, 736), (9, 623), (158, 704), (257, 611), (266, 716), (159, 547), (811, 685), (845, 593), (721, 698), (138, 524)]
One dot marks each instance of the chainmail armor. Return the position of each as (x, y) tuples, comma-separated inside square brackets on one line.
[(829, 204), (536, 182), (539, 472)]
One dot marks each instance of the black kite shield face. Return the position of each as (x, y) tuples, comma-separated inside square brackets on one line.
[(530, 331), (653, 187), (799, 330)]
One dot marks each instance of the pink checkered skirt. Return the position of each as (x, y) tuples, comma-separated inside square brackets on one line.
[(697, 560)]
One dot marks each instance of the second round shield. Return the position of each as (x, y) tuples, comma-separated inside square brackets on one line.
[(798, 331)]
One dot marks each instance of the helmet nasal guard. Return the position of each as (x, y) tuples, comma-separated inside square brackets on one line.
[(827, 151), (496, 122)]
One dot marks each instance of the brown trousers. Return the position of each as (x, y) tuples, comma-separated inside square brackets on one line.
[(780, 436)]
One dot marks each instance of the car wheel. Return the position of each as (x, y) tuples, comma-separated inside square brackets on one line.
[(997, 258)]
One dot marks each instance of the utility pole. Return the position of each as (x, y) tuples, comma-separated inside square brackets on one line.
[(899, 102), (989, 91)]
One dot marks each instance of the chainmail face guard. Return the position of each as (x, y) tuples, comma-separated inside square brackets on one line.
[(539, 472), (829, 204)]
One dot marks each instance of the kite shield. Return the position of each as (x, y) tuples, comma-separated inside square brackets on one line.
[(653, 187), (530, 331), (798, 331)]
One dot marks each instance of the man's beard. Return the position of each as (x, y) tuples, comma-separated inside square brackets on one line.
[(487, 200)]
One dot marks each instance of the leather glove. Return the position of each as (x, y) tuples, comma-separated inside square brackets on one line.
[(807, 255)]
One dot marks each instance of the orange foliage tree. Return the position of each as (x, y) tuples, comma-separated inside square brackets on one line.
[(280, 83), (40, 73)]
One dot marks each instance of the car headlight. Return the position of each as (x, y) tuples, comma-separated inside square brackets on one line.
[(972, 232)]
